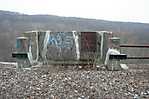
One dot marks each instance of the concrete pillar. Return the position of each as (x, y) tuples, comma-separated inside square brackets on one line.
[(22, 47), (33, 45), (114, 64), (115, 43)]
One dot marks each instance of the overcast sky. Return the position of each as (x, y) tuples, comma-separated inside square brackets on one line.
[(115, 10)]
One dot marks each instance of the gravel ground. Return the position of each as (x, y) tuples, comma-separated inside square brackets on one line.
[(47, 83)]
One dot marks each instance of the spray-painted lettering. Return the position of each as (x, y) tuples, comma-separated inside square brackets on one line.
[(62, 39)]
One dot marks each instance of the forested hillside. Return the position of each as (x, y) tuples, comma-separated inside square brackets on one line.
[(12, 24)]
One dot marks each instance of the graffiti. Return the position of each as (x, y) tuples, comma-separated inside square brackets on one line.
[(61, 39)]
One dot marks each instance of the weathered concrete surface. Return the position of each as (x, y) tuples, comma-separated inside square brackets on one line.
[(61, 46)]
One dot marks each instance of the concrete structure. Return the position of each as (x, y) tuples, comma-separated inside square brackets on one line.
[(64, 47)]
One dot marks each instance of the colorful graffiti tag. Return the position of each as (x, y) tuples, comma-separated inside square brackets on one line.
[(61, 39)]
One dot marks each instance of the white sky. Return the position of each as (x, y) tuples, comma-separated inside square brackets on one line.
[(115, 10)]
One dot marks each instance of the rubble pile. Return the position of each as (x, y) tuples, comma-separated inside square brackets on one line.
[(41, 83)]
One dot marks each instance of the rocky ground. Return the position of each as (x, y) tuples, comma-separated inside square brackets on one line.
[(66, 83)]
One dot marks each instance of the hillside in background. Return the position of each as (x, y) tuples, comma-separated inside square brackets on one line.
[(12, 24)]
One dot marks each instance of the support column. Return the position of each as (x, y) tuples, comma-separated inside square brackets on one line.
[(21, 54), (114, 64)]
